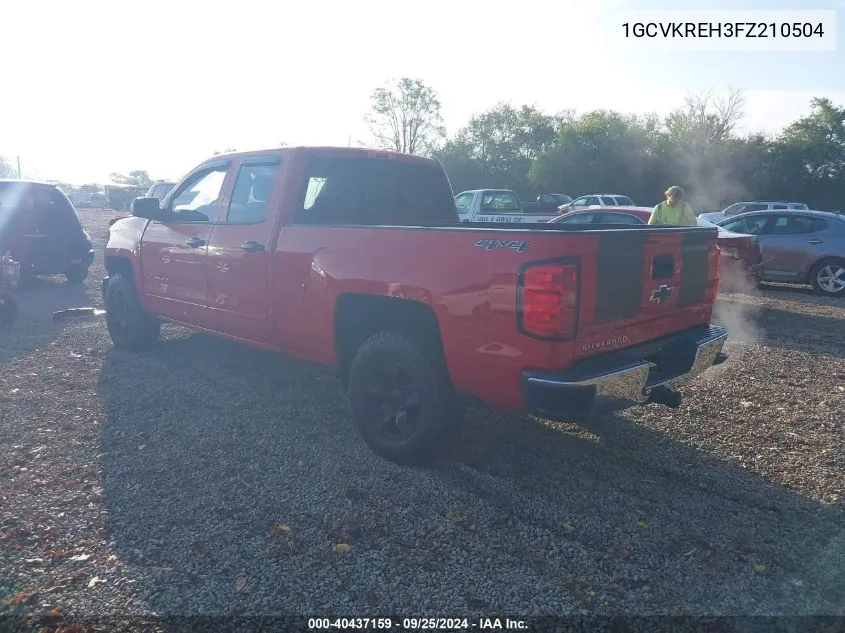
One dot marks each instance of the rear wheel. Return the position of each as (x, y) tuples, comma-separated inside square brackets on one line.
[(77, 274), (402, 402), (828, 277), (130, 327)]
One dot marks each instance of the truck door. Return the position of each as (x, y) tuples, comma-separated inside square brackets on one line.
[(464, 204), (173, 253), (240, 252)]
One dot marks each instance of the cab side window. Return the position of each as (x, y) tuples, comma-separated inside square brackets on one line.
[(755, 225), (198, 199), (251, 195), (796, 225)]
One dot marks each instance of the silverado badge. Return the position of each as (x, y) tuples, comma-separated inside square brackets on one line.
[(663, 291)]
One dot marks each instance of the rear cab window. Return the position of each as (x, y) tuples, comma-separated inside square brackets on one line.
[(375, 191), (500, 202)]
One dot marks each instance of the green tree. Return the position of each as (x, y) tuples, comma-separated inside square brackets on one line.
[(498, 146), (706, 120), (808, 162), (602, 151), (137, 178), (406, 118)]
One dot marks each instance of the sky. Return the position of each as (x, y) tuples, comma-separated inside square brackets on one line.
[(94, 87)]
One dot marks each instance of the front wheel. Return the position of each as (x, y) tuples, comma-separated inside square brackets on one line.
[(77, 274), (828, 277), (402, 402), (130, 327)]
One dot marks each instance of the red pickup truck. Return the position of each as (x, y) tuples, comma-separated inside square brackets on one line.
[(356, 259)]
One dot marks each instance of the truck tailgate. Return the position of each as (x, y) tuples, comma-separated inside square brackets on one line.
[(642, 285)]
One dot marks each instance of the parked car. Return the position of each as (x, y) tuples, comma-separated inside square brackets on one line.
[(499, 205), (355, 259), (40, 229), (546, 202), (95, 201), (606, 215), (160, 188), (740, 254), (746, 207), (798, 246), (597, 200)]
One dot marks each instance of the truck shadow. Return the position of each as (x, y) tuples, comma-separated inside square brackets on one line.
[(207, 445), (34, 326)]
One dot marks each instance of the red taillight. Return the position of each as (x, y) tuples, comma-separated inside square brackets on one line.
[(715, 258), (548, 301)]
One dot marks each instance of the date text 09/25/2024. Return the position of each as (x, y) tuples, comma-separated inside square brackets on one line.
[(416, 624)]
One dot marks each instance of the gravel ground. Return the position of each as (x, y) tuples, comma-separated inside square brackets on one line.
[(210, 478)]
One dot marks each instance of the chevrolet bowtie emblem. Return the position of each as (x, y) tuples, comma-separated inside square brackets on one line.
[(663, 291)]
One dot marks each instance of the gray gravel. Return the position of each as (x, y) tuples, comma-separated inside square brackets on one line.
[(209, 478)]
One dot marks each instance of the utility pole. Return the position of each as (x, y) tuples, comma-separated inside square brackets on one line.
[(19, 167)]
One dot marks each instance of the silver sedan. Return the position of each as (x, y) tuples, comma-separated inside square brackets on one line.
[(798, 246)]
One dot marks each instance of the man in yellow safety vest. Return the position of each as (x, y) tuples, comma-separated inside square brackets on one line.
[(674, 211)]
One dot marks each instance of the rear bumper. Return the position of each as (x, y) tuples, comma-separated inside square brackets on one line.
[(625, 377)]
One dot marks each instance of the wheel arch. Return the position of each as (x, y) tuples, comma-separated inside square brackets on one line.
[(358, 316)]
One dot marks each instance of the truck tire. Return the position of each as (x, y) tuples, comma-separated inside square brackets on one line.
[(823, 274), (77, 274), (402, 402), (130, 327)]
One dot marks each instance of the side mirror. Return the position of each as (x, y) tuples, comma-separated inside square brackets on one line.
[(148, 208)]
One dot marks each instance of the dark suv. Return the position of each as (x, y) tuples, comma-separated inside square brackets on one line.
[(40, 229)]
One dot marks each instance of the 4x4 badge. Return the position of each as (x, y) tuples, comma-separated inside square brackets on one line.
[(663, 291)]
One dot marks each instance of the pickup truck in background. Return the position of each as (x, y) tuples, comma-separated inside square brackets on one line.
[(500, 205), (356, 260), (546, 202)]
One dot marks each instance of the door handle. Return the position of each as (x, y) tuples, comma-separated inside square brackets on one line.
[(815, 241), (195, 242), (252, 247)]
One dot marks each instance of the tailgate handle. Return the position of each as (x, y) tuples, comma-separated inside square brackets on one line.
[(662, 267)]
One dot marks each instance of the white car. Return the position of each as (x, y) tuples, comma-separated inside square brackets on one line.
[(597, 200)]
